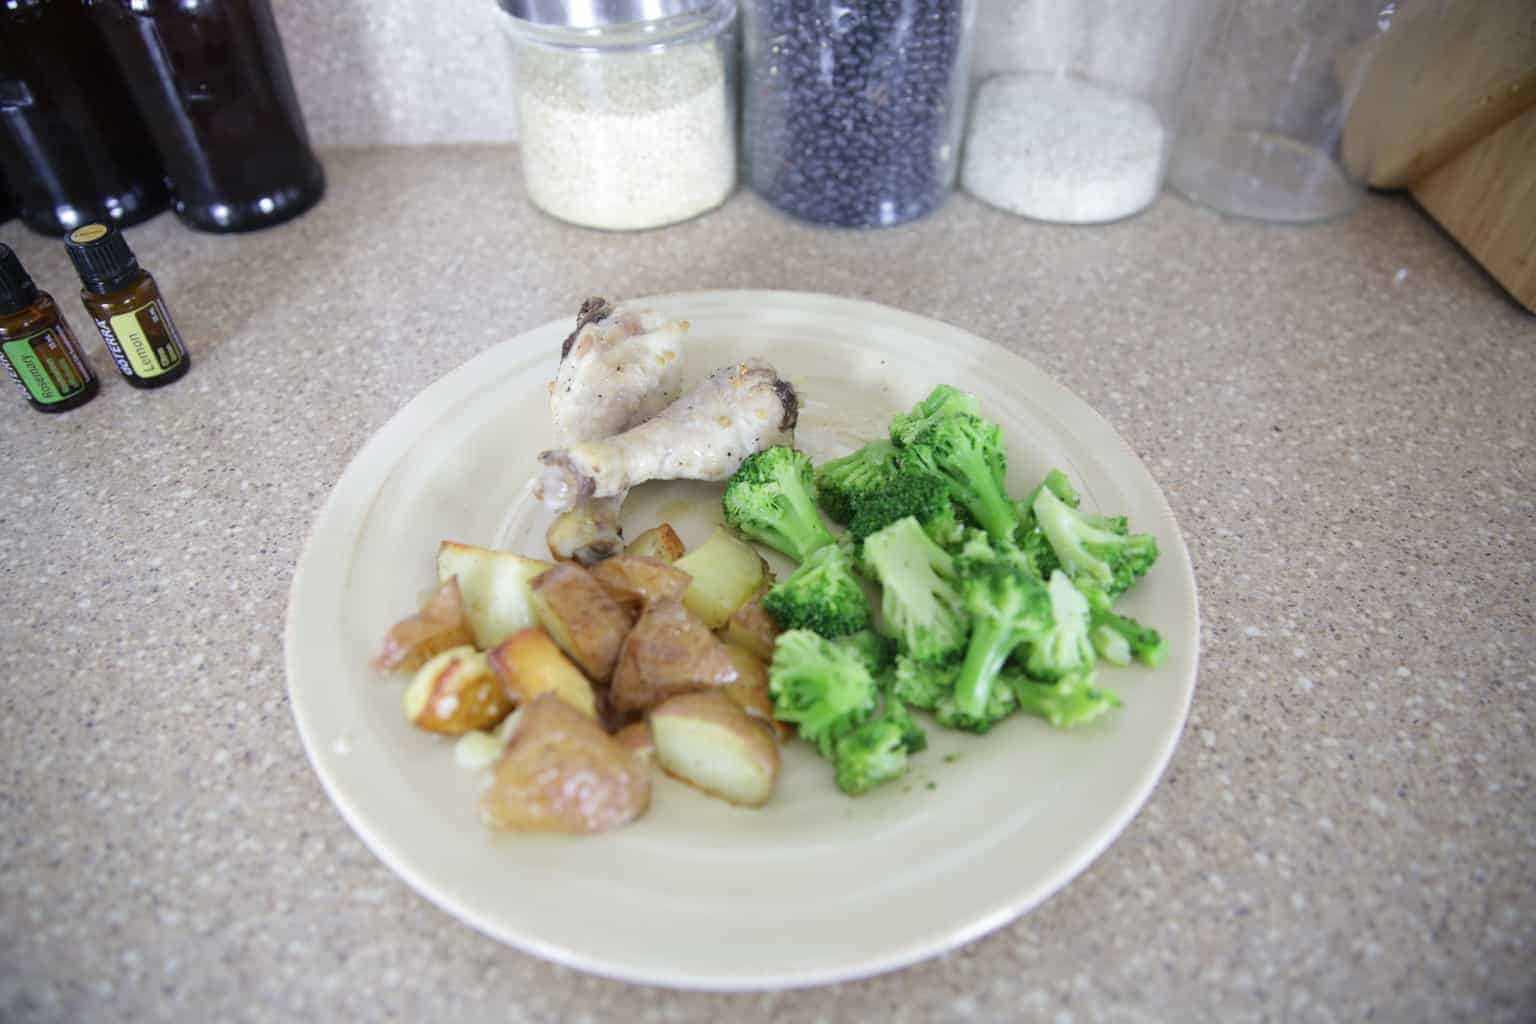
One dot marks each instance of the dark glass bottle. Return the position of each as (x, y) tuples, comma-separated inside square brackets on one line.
[(37, 349), (212, 80), (124, 302), (72, 147)]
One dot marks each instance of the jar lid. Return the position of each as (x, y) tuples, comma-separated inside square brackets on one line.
[(589, 14)]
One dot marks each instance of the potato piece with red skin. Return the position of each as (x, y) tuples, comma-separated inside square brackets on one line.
[(528, 663), (438, 626), (668, 652), (707, 740), (581, 616), (752, 627), (494, 586), (454, 693), (750, 690), (562, 773), (635, 580), (637, 739)]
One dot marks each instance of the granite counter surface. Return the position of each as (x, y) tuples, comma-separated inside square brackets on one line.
[(1343, 418)]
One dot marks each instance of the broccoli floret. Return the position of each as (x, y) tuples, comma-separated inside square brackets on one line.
[(875, 651), (820, 687), (821, 595), (1111, 645), (1065, 647), (842, 484), (912, 735), (1114, 524), (978, 547), (1001, 703), (967, 451), (771, 498), (876, 751), (1089, 551), (1042, 560), (918, 598), (869, 755), (1071, 700), (1119, 638), (921, 684), (942, 401), (1008, 607), (906, 494), (1058, 484), (944, 527), (1030, 540)]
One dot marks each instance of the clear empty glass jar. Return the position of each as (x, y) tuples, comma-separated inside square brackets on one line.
[(1262, 120), (626, 109), (1075, 103)]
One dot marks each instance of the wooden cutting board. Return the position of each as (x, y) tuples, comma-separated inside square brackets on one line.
[(1446, 107), (1486, 198), (1444, 75)]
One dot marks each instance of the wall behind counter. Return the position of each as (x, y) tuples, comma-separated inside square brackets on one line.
[(439, 71), (399, 71)]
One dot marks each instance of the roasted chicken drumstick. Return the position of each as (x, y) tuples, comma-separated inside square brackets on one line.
[(737, 410), (617, 369)]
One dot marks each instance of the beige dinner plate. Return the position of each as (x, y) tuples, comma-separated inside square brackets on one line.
[(816, 886)]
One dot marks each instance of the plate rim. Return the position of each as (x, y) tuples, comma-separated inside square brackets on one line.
[(381, 442)]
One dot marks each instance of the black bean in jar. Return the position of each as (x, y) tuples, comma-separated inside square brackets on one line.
[(853, 109)]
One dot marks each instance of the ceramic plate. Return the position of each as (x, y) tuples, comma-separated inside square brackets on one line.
[(816, 887)]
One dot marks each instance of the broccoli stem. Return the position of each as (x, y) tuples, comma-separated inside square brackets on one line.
[(985, 501), (815, 535), (984, 657)]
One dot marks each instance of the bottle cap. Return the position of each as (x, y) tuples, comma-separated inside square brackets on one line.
[(101, 255), (16, 287)]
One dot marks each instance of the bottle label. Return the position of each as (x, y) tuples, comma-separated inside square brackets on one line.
[(47, 365), (144, 340)]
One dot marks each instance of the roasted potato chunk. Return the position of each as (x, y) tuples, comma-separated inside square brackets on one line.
[(528, 663), (750, 690), (454, 693), (635, 580), (636, 737), (752, 627), (562, 773), (659, 542), (587, 623), (494, 586), (412, 642), (726, 571), (708, 741), (668, 652)]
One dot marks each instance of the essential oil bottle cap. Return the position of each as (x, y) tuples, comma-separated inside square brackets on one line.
[(101, 255), (16, 288)]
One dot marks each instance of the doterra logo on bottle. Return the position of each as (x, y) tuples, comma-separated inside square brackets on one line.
[(113, 348)]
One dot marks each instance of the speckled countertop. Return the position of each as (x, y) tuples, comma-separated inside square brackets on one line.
[(1343, 417)]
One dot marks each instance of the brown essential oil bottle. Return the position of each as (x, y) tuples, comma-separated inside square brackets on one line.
[(40, 353), (125, 303)]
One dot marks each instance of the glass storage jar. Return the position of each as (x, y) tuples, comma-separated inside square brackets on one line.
[(1075, 104), (1270, 95), (852, 112), (626, 109)]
